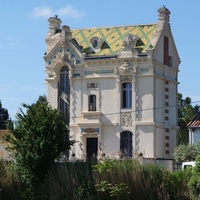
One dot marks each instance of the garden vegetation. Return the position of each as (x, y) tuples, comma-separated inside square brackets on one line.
[(107, 179)]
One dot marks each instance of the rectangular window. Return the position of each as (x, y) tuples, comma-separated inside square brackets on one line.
[(167, 137), (92, 85), (166, 89), (166, 104), (166, 96), (92, 103), (166, 118), (167, 130), (166, 50), (166, 144), (166, 152), (127, 95), (167, 82), (166, 111)]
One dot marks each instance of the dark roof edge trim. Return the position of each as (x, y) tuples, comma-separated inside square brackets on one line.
[(99, 57)]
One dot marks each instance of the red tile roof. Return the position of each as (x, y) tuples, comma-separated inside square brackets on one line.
[(195, 122)]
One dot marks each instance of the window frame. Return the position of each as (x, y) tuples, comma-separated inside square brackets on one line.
[(92, 99), (127, 95)]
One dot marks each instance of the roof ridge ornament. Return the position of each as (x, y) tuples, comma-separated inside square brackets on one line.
[(128, 46), (129, 42)]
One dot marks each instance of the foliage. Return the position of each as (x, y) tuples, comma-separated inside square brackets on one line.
[(146, 181), (116, 190), (70, 180), (4, 117), (105, 165), (194, 182), (37, 138), (185, 113), (9, 186), (186, 152), (126, 180)]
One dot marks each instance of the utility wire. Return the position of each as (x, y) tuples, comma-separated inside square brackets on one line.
[(140, 110)]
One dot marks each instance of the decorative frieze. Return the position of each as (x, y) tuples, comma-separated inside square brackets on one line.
[(89, 130), (126, 119), (90, 117), (99, 72)]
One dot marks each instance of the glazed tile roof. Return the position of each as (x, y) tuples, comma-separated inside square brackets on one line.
[(195, 121), (113, 38)]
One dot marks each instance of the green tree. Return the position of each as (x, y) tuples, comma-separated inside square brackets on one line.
[(185, 113), (4, 117), (37, 138), (186, 152)]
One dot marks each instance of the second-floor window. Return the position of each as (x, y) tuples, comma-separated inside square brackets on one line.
[(127, 95), (92, 102)]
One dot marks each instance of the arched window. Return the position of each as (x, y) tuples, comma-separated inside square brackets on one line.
[(92, 102), (64, 92), (64, 79), (126, 144), (127, 95)]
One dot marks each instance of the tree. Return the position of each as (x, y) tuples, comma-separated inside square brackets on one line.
[(186, 152), (37, 138), (4, 117), (185, 113)]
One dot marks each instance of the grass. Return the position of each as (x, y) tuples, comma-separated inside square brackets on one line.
[(109, 179)]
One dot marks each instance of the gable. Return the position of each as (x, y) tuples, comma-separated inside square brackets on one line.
[(113, 38), (71, 53), (165, 48)]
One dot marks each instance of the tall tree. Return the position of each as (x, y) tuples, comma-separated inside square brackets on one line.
[(4, 117), (186, 111), (38, 137)]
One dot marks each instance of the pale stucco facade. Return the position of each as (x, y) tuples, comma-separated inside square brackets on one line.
[(121, 101)]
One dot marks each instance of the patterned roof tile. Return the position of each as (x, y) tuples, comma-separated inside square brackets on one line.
[(113, 37)]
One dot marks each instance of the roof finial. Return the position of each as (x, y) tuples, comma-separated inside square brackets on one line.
[(56, 16)]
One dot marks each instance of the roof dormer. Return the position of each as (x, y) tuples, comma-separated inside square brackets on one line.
[(96, 43)]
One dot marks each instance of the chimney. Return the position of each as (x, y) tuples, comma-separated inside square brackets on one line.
[(163, 14), (54, 25), (66, 32)]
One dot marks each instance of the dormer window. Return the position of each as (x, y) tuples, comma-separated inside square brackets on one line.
[(96, 43)]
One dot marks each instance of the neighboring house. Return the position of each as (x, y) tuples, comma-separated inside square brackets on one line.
[(117, 87), (194, 129)]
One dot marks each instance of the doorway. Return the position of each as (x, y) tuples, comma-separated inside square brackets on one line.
[(92, 147), (126, 144)]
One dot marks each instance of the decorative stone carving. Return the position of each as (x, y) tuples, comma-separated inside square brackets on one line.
[(128, 46), (129, 42), (126, 119), (125, 68), (126, 78)]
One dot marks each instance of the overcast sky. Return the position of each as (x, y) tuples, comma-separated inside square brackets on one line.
[(24, 27)]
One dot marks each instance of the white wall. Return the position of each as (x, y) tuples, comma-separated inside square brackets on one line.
[(145, 94)]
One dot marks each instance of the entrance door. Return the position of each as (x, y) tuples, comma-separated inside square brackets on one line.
[(92, 147), (126, 144)]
